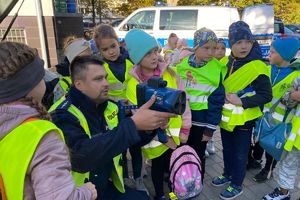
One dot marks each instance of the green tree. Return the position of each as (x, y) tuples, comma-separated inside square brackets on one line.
[(288, 11), (95, 7), (131, 5)]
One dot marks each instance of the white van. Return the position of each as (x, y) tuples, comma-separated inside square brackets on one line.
[(185, 20)]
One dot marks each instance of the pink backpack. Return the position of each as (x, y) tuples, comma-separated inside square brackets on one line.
[(185, 176)]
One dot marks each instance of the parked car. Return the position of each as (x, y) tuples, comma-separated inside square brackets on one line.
[(116, 22), (289, 33), (294, 28)]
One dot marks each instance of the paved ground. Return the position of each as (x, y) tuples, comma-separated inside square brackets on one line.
[(214, 167)]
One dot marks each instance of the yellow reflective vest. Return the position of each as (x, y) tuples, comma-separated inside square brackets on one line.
[(233, 115), (155, 148), (278, 90), (201, 82), (117, 89), (65, 82), (17, 149), (294, 138), (111, 117)]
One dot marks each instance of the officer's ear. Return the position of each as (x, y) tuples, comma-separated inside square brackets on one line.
[(78, 84)]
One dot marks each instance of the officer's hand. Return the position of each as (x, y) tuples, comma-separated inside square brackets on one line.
[(146, 119), (92, 188)]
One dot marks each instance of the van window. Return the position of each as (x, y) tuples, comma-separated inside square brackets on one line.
[(278, 26), (178, 20), (142, 20)]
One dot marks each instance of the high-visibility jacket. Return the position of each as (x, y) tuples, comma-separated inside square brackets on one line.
[(224, 60), (111, 117), (233, 115), (117, 89), (201, 82), (294, 138), (17, 150), (278, 90), (65, 82), (155, 148)]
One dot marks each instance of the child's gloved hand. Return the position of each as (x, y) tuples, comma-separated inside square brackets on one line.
[(289, 98)]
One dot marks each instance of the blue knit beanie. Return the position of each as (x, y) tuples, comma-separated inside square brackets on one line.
[(139, 43), (287, 48), (239, 31)]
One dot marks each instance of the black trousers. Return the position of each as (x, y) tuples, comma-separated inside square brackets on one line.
[(195, 137), (160, 165), (257, 154)]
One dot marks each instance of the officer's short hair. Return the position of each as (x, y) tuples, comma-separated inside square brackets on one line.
[(80, 64)]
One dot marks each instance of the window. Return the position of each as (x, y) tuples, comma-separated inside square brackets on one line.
[(142, 20), (278, 26), (14, 35), (178, 20)]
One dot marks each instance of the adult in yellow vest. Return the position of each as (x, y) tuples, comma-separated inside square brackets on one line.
[(289, 165), (282, 75), (117, 65), (248, 88), (203, 76), (92, 132), (34, 161), (143, 51)]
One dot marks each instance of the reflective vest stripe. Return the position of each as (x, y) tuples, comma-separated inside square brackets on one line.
[(202, 87), (278, 116), (225, 119), (297, 113), (198, 99), (116, 86), (155, 143)]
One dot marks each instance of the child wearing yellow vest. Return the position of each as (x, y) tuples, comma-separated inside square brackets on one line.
[(203, 76), (248, 89), (34, 160), (282, 51), (221, 49), (219, 54), (143, 51), (117, 65), (72, 47), (289, 164)]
